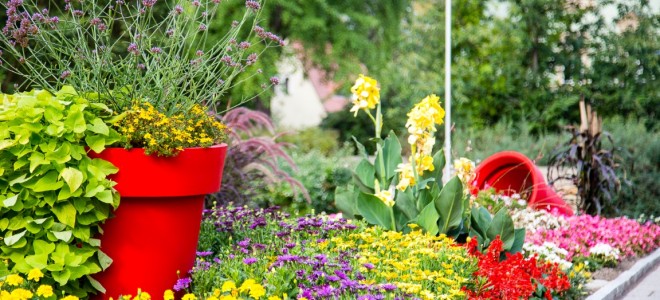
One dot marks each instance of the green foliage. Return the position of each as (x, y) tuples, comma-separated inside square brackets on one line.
[(314, 139), (338, 36), (641, 167), (54, 196), (479, 144), (320, 174), (626, 65), (131, 50), (486, 228)]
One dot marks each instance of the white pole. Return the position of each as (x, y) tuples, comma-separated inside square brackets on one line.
[(448, 162)]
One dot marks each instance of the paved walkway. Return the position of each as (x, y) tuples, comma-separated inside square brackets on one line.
[(648, 288)]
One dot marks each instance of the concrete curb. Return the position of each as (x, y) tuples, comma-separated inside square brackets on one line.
[(616, 288)]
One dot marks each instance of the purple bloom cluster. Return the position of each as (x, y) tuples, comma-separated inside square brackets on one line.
[(254, 5), (266, 35), (318, 275)]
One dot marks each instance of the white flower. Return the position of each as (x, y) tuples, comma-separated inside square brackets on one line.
[(606, 250)]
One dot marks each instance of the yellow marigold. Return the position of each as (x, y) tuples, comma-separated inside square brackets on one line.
[(257, 291), (35, 275), (21, 294), (228, 286), (216, 293), (45, 291), (71, 297), (227, 297), (189, 297), (14, 280), (168, 295), (247, 285), (274, 298), (366, 94), (144, 296)]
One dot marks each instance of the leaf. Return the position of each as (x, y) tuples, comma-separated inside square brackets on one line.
[(39, 261), (64, 236), (48, 182), (43, 247), (6, 144), (102, 168), (481, 220), (105, 197), (61, 277), (405, 203), (98, 126), (502, 225), (449, 204), (519, 240), (9, 202), (65, 213), (364, 176), (75, 121), (13, 239), (72, 177), (61, 155), (95, 284), (388, 158), (428, 219), (4, 223), (438, 164), (374, 210), (95, 142), (104, 260), (37, 159), (345, 201), (361, 150)]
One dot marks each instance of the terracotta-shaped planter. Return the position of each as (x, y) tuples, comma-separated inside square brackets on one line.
[(154, 232), (512, 172)]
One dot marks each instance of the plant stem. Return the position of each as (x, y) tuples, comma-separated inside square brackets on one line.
[(392, 218)]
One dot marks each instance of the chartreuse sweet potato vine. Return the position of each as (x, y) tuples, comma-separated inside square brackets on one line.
[(52, 195)]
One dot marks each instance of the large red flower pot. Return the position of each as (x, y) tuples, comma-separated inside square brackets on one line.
[(511, 172), (153, 234)]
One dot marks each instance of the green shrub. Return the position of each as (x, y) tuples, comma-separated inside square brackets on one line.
[(314, 138), (320, 174), (480, 144), (641, 166)]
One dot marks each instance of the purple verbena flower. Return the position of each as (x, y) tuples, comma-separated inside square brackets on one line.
[(65, 74), (254, 5), (148, 3), (182, 283), (204, 253), (133, 48), (249, 260)]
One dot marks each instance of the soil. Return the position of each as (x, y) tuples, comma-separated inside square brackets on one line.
[(610, 274)]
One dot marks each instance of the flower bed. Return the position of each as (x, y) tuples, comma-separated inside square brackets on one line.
[(585, 236), (266, 254)]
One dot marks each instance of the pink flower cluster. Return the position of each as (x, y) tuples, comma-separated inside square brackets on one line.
[(583, 232)]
